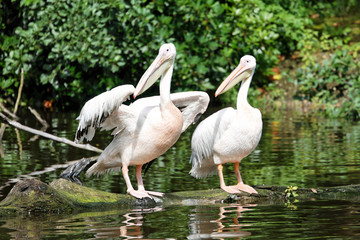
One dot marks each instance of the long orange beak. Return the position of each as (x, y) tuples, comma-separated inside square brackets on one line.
[(162, 62), (235, 77), (151, 74)]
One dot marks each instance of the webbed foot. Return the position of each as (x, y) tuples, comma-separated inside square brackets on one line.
[(245, 188), (156, 194), (139, 194), (230, 189)]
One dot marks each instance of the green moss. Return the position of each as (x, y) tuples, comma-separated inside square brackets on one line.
[(85, 197), (81, 194), (209, 194), (62, 196), (35, 196)]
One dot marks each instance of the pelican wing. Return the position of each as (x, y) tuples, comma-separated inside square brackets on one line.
[(192, 105), (97, 110), (205, 136), (123, 117)]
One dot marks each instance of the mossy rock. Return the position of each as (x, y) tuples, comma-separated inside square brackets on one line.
[(34, 196), (63, 196), (85, 197)]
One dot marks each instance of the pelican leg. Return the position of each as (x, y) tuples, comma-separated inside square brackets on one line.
[(223, 186), (240, 185), (130, 189), (141, 187), (140, 183)]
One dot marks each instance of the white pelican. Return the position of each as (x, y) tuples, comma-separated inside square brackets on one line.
[(145, 129), (228, 135)]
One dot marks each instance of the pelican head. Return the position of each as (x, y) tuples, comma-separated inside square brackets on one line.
[(243, 71), (164, 60)]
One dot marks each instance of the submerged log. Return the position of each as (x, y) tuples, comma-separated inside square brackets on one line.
[(63, 196)]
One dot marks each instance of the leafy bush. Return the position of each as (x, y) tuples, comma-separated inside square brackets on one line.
[(71, 50), (333, 84)]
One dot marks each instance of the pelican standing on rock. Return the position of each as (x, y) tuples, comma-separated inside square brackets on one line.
[(228, 135), (145, 129)]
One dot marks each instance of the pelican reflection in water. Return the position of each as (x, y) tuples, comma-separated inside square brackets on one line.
[(203, 225), (197, 222)]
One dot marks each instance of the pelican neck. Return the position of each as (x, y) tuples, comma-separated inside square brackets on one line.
[(243, 92), (165, 85)]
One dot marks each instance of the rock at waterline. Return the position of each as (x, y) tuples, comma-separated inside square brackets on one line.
[(32, 195), (63, 196)]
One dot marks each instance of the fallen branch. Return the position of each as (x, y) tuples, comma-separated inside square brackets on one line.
[(39, 118), (3, 125), (35, 137), (50, 136), (2, 152), (8, 112), (2, 130)]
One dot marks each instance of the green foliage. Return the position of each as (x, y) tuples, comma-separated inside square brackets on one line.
[(333, 84), (72, 50), (8, 21), (314, 43), (337, 7)]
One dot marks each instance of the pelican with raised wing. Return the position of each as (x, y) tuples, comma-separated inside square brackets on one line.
[(228, 135), (145, 129)]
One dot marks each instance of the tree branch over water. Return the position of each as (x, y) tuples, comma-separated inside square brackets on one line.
[(48, 135), (38, 117), (7, 111)]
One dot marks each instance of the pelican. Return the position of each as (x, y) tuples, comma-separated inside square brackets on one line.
[(144, 129), (229, 135)]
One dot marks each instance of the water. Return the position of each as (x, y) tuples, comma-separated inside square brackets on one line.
[(294, 150), (306, 220)]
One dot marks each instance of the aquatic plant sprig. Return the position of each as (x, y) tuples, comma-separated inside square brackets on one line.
[(290, 192)]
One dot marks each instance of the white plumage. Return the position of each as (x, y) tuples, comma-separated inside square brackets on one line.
[(145, 129), (191, 104), (97, 109), (228, 135)]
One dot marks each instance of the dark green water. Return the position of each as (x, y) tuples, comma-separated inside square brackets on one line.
[(299, 151), (310, 220)]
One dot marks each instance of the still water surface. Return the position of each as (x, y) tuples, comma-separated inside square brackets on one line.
[(294, 150)]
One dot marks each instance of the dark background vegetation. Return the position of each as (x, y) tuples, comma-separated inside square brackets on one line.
[(72, 50)]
